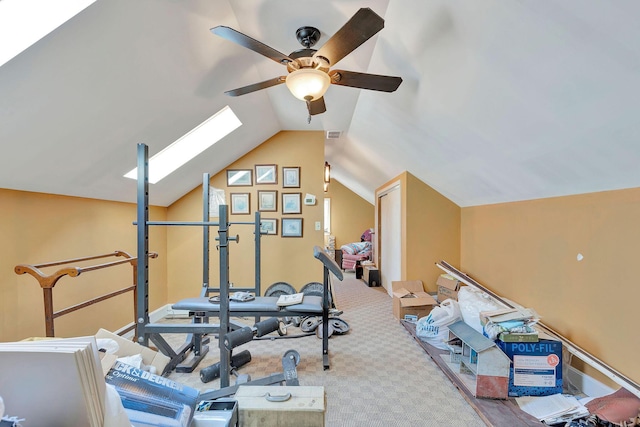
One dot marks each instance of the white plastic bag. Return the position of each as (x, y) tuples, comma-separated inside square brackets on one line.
[(472, 302), (434, 328)]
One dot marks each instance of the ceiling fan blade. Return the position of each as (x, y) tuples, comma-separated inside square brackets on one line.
[(246, 41), (365, 80), (256, 86), (360, 28), (317, 107)]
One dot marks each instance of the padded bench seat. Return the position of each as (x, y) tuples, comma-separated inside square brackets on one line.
[(260, 306)]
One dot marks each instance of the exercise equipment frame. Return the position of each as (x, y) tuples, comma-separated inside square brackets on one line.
[(200, 308)]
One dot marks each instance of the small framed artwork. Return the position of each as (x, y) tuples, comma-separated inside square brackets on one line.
[(266, 174), (240, 203), (269, 226), (291, 203), (291, 227), (291, 177), (239, 177), (268, 201)]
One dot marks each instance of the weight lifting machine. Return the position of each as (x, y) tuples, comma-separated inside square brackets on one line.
[(201, 309)]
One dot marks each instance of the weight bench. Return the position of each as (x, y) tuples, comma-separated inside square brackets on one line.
[(201, 308)]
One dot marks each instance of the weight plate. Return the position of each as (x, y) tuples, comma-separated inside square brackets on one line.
[(282, 329), (340, 327), (279, 288), (295, 354), (315, 288), (309, 324), (320, 330)]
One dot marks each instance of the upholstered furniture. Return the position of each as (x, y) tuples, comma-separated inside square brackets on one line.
[(352, 253)]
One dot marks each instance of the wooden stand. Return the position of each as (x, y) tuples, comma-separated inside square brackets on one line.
[(48, 281)]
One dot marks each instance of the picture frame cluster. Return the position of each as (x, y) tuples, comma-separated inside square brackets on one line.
[(268, 199)]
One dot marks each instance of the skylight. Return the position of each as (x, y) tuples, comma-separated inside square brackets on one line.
[(24, 22), (190, 145)]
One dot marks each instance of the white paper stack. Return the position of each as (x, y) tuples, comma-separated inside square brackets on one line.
[(552, 409), (53, 382)]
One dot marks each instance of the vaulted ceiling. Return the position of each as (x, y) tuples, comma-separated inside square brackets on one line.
[(500, 100)]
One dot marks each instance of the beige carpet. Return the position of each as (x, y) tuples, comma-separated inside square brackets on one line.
[(379, 375)]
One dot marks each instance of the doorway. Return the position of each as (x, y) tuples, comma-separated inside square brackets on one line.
[(390, 202)]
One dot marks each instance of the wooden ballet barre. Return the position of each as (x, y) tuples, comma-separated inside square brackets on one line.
[(47, 283)]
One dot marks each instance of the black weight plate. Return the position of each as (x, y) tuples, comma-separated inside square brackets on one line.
[(320, 330), (279, 288), (295, 354), (309, 324), (339, 326), (315, 288)]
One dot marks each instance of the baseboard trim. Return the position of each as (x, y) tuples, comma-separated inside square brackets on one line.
[(587, 384)]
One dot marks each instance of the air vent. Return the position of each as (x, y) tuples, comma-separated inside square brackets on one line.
[(333, 134)]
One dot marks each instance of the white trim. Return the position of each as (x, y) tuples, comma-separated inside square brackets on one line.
[(586, 384), (389, 188)]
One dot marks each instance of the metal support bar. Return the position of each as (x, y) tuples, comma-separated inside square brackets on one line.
[(325, 319), (225, 356), (257, 239), (228, 391), (142, 215)]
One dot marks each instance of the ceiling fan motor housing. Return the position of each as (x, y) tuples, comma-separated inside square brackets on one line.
[(308, 36)]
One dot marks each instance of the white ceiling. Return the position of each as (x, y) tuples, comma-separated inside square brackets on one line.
[(500, 100)]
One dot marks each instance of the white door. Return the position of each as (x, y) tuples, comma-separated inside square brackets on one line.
[(390, 236)]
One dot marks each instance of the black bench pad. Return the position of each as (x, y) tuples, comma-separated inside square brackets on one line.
[(311, 304)]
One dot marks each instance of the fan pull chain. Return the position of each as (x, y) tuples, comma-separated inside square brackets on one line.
[(308, 101)]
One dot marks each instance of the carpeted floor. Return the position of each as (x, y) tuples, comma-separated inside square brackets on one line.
[(379, 375)]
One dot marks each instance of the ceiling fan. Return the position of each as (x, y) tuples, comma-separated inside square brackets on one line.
[(309, 69)]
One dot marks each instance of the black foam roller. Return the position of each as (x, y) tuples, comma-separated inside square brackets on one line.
[(267, 326), (212, 372), (240, 359), (238, 337)]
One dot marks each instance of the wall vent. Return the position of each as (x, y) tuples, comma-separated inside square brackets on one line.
[(333, 134)]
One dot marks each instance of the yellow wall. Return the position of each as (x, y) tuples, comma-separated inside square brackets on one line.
[(351, 215), (430, 229), (288, 259), (37, 228), (527, 252), (432, 232)]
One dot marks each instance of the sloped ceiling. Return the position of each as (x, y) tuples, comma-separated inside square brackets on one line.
[(500, 100)]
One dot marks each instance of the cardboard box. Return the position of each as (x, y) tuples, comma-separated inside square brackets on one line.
[(130, 348), (448, 287), (305, 406), (409, 297), (536, 369)]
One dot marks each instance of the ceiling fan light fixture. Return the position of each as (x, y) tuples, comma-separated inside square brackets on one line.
[(308, 84)]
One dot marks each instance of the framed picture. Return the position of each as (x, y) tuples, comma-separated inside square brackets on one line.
[(266, 174), (291, 203), (268, 226), (268, 201), (291, 177), (291, 227), (240, 203), (239, 177)]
